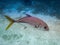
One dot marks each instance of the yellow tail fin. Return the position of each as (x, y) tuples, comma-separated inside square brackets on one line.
[(11, 22)]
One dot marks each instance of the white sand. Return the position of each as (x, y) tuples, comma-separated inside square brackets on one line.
[(17, 35)]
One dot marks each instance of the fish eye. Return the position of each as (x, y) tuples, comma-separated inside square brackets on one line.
[(45, 27)]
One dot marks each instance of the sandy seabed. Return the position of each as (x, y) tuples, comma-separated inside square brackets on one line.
[(17, 34)]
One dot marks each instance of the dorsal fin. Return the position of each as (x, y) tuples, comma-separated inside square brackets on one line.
[(28, 15)]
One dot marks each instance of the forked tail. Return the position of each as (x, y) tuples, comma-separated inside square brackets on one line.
[(11, 22)]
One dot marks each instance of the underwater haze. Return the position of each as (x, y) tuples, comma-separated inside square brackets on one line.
[(17, 34)]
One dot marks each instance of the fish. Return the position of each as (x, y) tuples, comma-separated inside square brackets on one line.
[(34, 21)]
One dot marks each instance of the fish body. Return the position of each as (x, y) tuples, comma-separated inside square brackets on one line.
[(36, 22)]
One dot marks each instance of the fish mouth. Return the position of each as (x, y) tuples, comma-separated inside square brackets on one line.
[(47, 29)]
